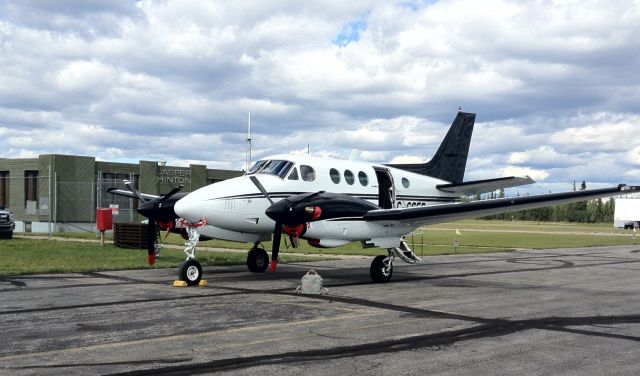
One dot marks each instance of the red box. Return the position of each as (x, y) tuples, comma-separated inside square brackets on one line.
[(104, 219)]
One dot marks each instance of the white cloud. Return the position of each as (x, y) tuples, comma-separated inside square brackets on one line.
[(633, 156), (537, 175), (543, 155), (554, 85)]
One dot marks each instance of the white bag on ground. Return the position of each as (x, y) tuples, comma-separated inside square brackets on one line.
[(312, 284)]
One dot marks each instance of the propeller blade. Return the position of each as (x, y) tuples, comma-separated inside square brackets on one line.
[(151, 241), (171, 193), (260, 188), (277, 234), (309, 196), (129, 185)]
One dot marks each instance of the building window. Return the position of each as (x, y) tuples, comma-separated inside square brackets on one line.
[(4, 189), (30, 186), (335, 175)]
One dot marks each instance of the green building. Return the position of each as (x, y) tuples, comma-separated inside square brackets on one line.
[(55, 192)]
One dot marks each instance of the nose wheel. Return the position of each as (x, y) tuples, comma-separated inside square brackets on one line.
[(191, 272)]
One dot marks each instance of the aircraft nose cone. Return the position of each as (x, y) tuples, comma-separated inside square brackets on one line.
[(189, 209)]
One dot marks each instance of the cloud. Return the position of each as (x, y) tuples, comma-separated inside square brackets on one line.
[(175, 79), (542, 156)]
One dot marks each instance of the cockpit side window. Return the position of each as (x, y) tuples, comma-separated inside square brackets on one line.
[(256, 167), (271, 167), (307, 172), (294, 174)]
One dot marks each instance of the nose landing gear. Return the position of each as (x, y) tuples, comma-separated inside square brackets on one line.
[(190, 270)]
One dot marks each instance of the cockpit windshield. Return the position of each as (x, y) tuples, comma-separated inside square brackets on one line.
[(273, 167)]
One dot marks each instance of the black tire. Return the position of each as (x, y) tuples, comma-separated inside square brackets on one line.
[(6, 235), (257, 260), (191, 272), (377, 275)]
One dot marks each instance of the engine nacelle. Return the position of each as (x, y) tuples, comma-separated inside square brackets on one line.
[(327, 243)]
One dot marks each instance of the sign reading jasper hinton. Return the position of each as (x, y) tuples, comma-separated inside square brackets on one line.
[(174, 176)]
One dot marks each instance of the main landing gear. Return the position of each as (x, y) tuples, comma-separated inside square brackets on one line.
[(382, 266), (257, 259)]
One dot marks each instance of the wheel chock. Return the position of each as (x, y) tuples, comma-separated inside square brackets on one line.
[(180, 283), (203, 283)]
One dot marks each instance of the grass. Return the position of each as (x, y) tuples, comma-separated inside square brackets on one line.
[(34, 256), (28, 256)]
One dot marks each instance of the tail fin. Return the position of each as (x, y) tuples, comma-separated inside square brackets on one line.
[(450, 160)]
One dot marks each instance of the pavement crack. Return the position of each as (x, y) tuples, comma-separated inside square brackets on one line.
[(432, 340)]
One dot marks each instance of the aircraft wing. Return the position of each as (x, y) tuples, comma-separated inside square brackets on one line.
[(469, 188), (425, 215), (127, 193)]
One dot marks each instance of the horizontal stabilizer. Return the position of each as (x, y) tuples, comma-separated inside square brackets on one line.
[(470, 188)]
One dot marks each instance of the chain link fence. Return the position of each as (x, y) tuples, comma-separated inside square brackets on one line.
[(41, 204)]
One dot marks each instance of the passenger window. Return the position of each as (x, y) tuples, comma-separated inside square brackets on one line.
[(348, 177), (307, 172), (335, 175), (294, 174), (405, 182), (364, 179)]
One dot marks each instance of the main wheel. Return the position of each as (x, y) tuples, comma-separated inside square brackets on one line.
[(257, 260), (379, 271), (191, 272)]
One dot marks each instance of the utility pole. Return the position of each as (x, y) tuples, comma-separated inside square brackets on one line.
[(247, 164)]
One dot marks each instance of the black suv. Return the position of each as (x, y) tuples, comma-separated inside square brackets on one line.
[(6, 224)]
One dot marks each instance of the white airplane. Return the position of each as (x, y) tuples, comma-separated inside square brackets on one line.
[(332, 202)]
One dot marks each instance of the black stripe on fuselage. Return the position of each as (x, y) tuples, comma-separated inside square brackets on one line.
[(410, 198)]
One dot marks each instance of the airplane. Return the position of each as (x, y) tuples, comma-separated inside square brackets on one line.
[(333, 202)]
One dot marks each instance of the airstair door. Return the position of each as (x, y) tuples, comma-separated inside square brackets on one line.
[(386, 188)]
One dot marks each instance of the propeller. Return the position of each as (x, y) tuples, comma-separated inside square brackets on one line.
[(129, 185), (287, 220), (277, 231), (154, 210)]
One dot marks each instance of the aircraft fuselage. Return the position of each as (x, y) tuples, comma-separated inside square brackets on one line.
[(235, 208)]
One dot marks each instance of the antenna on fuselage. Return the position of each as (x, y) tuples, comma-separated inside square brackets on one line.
[(247, 163)]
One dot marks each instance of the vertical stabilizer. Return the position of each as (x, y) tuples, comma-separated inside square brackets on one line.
[(450, 160)]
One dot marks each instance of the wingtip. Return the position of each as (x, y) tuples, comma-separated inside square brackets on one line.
[(627, 188)]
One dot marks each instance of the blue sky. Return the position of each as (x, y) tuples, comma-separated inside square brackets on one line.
[(350, 32), (554, 83)]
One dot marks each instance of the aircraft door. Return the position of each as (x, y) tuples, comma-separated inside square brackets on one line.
[(386, 188)]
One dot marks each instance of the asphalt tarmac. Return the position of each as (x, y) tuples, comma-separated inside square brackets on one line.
[(548, 312)]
